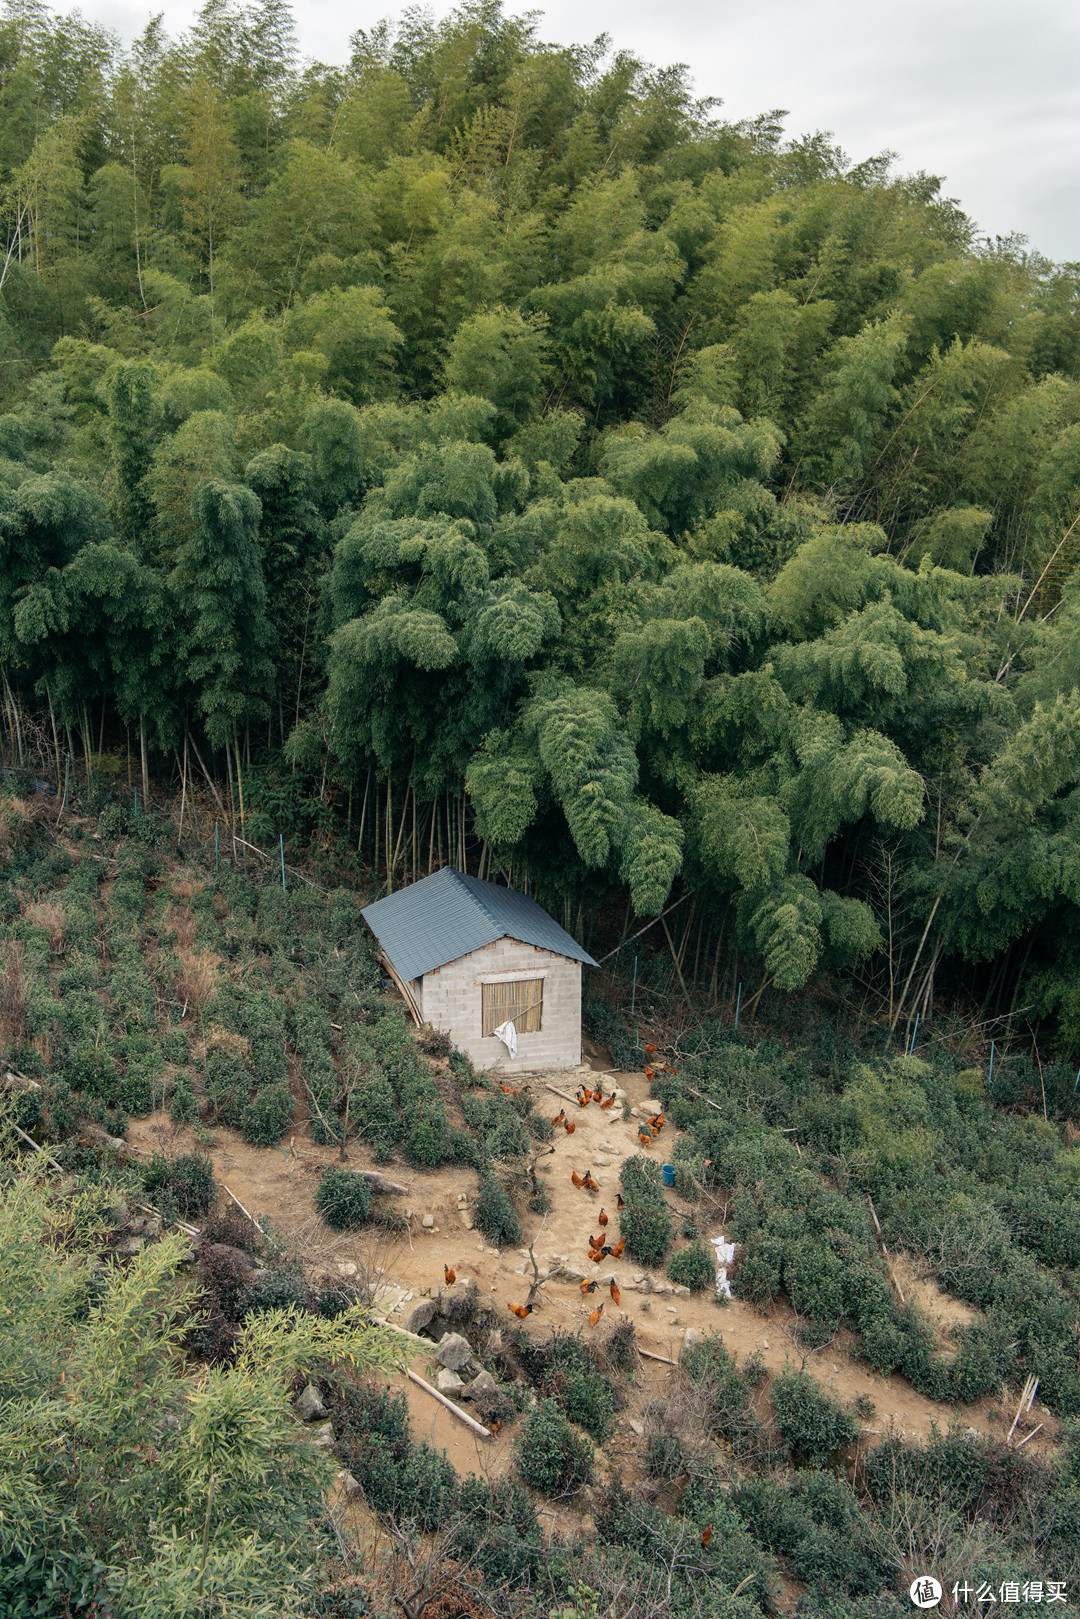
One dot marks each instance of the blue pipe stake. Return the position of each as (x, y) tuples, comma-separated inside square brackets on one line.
[(914, 1032), (738, 1003), (1077, 1081), (990, 1075), (281, 840), (633, 992), (67, 775)]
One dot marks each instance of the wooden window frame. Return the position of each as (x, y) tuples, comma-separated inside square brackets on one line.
[(518, 1000)]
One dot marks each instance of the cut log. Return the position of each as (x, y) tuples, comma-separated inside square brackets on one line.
[(379, 1183)]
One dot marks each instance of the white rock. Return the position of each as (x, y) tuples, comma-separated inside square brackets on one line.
[(448, 1382), (347, 1484), (428, 1222), (692, 1336), (635, 1427), (764, 1343), (681, 1291), (345, 1267), (670, 1308)]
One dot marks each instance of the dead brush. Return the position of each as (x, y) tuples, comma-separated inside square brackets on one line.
[(181, 924), (47, 914), (184, 888), (195, 982), (215, 1038), (14, 992)]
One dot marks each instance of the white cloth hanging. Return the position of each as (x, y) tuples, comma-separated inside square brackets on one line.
[(508, 1035)]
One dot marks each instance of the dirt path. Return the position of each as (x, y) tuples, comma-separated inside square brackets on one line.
[(278, 1184)]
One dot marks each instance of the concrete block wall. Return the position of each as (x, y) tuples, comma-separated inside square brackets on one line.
[(453, 1000)]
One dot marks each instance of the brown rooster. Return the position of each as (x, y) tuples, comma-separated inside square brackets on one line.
[(560, 1117), (590, 1183), (619, 1204), (589, 1287), (602, 1218), (610, 1101), (613, 1289), (450, 1275), (644, 1138), (617, 1251), (706, 1534), (520, 1310), (597, 1313), (569, 1126), (576, 1178)]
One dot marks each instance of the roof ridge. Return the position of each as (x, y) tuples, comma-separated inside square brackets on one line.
[(467, 880)]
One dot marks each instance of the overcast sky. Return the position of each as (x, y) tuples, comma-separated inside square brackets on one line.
[(985, 93)]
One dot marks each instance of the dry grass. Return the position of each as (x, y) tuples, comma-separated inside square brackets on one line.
[(196, 979), (216, 1038), (14, 991), (184, 888), (180, 922), (47, 914)]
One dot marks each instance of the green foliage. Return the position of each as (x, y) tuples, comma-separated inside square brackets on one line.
[(549, 1455), (645, 1221), (267, 1116), (121, 1523), (343, 1198), (814, 1427), (493, 1213), (694, 1267), (184, 1184)]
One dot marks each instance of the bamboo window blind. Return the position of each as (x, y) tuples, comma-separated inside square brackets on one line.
[(520, 1003)]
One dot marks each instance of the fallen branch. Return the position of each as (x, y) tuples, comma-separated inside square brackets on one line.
[(454, 1410), (242, 1209), (566, 1097), (650, 1354), (404, 1332), (30, 1142), (379, 1183), (188, 1230)]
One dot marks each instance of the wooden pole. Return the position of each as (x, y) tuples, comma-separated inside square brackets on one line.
[(454, 1410)]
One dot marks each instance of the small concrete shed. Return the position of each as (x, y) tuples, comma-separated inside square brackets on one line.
[(470, 957)]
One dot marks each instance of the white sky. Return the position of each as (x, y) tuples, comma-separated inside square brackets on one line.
[(985, 93)]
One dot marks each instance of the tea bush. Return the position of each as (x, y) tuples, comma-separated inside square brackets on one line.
[(549, 1454), (267, 1116), (694, 1267), (493, 1214), (343, 1198), (814, 1427)]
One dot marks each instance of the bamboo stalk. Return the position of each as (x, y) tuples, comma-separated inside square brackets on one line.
[(454, 1410), (1031, 1435)]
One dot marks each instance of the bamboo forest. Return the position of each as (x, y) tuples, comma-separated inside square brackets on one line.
[(483, 453)]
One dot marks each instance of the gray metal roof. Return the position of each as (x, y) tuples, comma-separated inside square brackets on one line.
[(446, 915)]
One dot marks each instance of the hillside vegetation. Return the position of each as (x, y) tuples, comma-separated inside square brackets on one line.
[(484, 454), (571, 483)]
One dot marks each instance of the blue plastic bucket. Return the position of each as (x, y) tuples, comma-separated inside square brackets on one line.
[(668, 1172)]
